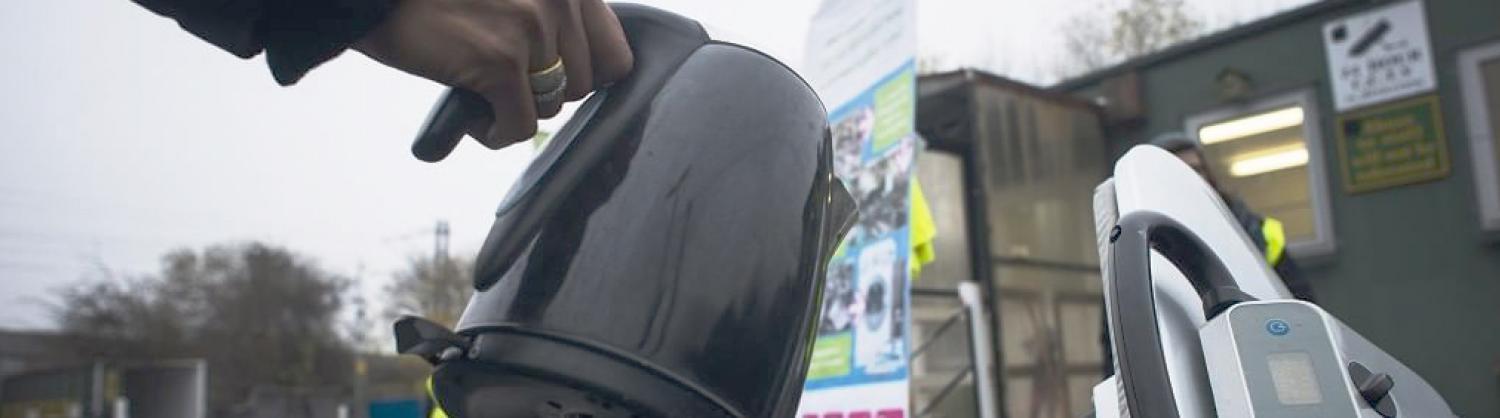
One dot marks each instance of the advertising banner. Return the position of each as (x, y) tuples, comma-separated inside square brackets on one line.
[(860, 59)]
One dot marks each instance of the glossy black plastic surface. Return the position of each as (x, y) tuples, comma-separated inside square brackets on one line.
[(660, 41), (670, 257)]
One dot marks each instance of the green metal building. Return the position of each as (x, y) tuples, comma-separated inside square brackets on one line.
[(1388, 189), (1368, 128)]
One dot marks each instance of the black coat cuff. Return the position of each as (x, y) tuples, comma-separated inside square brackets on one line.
[(299, 34)]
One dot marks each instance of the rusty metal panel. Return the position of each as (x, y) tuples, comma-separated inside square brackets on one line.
[(1040, 161)]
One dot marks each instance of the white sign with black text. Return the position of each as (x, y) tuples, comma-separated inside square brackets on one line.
[(1379, 55)]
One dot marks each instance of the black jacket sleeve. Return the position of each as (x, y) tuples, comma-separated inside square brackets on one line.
[(296, 35), (1295, 281), (1287, 268)]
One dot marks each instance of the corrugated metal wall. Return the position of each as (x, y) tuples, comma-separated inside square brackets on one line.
[(1035, 159)]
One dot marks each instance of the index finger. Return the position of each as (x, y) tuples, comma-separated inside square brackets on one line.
[(610, 51)]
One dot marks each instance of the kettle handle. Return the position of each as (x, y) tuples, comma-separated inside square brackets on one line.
[(447, 123), (450, 117), (660, 41)]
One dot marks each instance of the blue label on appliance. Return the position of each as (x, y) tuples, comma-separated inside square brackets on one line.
[(1278, 327)]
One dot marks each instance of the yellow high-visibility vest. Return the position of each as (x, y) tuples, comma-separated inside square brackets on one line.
[(923, 230), (437, 408), (1275, 236)]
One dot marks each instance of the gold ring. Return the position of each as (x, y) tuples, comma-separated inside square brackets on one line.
[(548, 99), (553, 78)]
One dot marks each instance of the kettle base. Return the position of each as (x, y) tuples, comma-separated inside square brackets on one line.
[(523, 397), (532, 373)]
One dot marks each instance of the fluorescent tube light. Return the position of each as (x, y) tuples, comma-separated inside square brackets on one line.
[(1280, 158), (1250, 125)]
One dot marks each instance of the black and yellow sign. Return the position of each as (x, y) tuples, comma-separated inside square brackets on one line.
[(1392, 145)]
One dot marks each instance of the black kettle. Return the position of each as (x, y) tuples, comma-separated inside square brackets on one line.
[(663, 256)]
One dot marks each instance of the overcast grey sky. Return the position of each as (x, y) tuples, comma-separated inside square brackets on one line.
[(124, 137)]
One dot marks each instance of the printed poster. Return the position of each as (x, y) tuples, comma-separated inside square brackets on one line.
[(861, 62)]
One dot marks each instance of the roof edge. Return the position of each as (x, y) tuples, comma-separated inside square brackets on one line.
[(995, 80), (1215, 39)]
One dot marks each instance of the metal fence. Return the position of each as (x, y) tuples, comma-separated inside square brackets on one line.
[(953, 363)]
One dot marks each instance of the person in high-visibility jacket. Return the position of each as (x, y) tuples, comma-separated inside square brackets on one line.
[(1267, 232)]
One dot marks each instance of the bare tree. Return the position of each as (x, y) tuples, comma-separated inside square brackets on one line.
[(931, 63), (436, 288), (1105, 37), (260, 315), (1087, 42)]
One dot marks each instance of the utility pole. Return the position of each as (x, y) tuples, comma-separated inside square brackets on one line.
[(440, 241)]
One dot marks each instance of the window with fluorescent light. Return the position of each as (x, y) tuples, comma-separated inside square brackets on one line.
[(1269, 154), (1479, 70)]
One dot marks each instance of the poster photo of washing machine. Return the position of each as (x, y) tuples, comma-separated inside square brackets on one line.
[(878, 342), (862, 335)]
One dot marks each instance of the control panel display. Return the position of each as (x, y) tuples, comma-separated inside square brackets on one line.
[(1294, 379), (1280, 359)]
